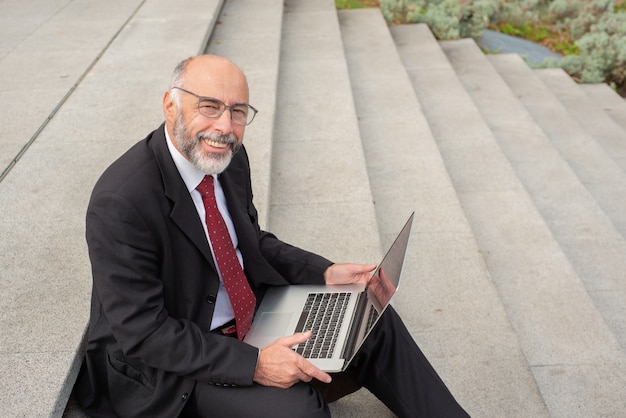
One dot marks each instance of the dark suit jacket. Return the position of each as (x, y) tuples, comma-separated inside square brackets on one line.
[(154, 285)]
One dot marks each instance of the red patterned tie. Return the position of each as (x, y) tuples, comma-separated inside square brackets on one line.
[(239, 292)]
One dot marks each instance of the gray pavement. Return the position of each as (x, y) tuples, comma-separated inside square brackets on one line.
[(600, 173), (46, 49), (514, 284), (604, 97), (593, 246), (591, 117), (410, 176), (551, 324)]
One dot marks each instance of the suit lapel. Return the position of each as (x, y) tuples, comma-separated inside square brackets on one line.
[(183, 212)]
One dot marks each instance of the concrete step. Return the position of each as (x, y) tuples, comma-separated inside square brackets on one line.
[(587, 236), (590, 117), (249, 34), (321, 198), (602, 176), (575, 359), (100, 71), (319, 175), (611, 102), (47, 48), (448, 298), (315, 181)]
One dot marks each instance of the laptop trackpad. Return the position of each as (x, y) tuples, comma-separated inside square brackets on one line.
[(273, 324)]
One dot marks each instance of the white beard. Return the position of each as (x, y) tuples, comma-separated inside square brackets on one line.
[(208, 163)]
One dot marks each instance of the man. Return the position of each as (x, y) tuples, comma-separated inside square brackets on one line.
[(165, 329)]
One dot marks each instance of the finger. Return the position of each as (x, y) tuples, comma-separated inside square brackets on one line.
[(321, 376), (366, 268), (360, 268), (295, 339), (313, 372), (362, 272)]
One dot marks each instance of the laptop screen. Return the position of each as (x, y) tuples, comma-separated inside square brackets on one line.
[(380, 289), (385, 280)]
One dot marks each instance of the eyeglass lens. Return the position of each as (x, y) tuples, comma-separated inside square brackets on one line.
[(213, 108)]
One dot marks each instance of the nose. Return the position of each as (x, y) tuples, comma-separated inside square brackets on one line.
[(223, 123)]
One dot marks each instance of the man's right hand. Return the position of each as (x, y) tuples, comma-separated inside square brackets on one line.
[(282, 367)]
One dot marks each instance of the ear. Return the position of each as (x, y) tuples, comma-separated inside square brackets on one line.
[(170, 110)]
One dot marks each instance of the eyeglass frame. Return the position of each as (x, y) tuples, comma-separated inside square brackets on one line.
[(224, 106)]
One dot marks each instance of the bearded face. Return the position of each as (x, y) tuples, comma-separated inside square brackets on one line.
[(191, 146)]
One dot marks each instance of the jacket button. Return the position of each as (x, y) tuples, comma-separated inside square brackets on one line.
[(210, 299), (184, 397)]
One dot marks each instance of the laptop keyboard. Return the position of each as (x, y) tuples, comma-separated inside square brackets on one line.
[(323, 315)]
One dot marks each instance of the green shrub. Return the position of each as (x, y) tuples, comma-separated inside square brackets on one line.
[(602, 54), (590, 33), (448, 19)]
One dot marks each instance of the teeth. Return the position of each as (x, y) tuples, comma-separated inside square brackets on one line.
[(216, 144)]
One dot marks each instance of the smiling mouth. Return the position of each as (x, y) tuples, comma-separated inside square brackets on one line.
[(217, 144)]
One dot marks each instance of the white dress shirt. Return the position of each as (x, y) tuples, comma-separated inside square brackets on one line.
[(192, 178)]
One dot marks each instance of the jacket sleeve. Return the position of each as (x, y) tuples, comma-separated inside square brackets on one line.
[(294, 264), (127, 258), (298, 266)]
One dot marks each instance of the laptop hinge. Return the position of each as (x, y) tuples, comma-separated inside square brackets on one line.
[(351, 341)]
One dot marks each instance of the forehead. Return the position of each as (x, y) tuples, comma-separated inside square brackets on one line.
[(216, 77)]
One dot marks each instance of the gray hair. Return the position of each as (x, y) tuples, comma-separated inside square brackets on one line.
[(177, 80)]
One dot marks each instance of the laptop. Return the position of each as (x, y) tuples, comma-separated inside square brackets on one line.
[(339, 316)]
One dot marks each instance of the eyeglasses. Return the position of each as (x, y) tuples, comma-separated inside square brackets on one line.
[(240, 113)]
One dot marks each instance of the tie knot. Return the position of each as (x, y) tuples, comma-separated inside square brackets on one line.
[(206, 186)]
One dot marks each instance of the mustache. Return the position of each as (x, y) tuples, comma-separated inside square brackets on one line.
[(230, 139)]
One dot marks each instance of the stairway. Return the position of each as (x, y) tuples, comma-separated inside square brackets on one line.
[(515, 284), (515, 279)]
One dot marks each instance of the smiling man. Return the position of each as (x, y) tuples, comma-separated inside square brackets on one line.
[(213, 152), (179, 265)]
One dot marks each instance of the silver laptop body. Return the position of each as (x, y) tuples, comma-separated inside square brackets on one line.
[(353, 309)]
